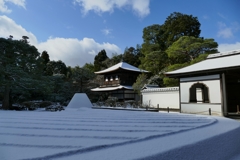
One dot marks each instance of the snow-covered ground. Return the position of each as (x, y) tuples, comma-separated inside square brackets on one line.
[(95, 134)]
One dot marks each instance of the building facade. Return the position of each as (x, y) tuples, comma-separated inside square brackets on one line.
[(210, 85), (117, 81)]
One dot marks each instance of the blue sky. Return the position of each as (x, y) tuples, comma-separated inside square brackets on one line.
[(74, 31)]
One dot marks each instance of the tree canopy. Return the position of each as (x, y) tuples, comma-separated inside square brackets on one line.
[(158, 37), (153, 39), (155, 61), (116, 58), (177, 25), (81, 78), (142, 79), (56, 67), (45, 57), (187, 48), (20, 68), (132, 56), (174, 44), (99, 58)]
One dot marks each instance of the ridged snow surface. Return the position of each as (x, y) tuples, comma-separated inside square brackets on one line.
[(110, 134)]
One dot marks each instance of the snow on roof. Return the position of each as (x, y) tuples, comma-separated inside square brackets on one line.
[(111, 88), (148, 86), (218, 61), (122, 65), (167, 89)]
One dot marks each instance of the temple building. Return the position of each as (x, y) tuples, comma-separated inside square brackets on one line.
[(118, 80)]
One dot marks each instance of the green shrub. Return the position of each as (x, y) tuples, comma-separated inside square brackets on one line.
[(111, 101), (65, 103), (45, 104), (27, 104)]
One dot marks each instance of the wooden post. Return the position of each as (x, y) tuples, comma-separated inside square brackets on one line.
[(158, 106), (148, 104), (168, 109), (210, 111)]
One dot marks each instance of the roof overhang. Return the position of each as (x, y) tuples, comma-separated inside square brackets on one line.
[(215, 63), (98, 89), (121, 65), (204, 72)]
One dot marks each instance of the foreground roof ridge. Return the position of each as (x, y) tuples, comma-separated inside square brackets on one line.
[(223, 54), (214, 63)]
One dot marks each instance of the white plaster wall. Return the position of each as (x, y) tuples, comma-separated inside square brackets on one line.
[(213, 88), (164, 99), (201, 108)]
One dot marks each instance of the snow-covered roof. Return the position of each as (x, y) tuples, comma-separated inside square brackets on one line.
[(111, 88), (214, 62), (149, 86), (167, 89), (122, 65)]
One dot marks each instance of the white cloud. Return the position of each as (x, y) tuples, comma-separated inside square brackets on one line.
[(71, 51), (17, 2), (222, 16), (106, 31), (75, 52), (140, 7), (4, 8), (227, 31), (228, 47), (9, 27)]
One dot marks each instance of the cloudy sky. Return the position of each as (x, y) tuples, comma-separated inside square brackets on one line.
[(74, 31)]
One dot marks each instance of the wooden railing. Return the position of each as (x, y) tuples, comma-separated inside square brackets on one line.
[(115, 83), (110, 83)]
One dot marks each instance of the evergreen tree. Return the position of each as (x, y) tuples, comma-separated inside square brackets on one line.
[(132, 56), (45, 57), (153, 39), (177, 25), (109, 62), (89, 66), (98, 60), (81, 78), (157, 38), (155, 61), (20, 68), (142, 79), (187, 48), (56, 67)]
